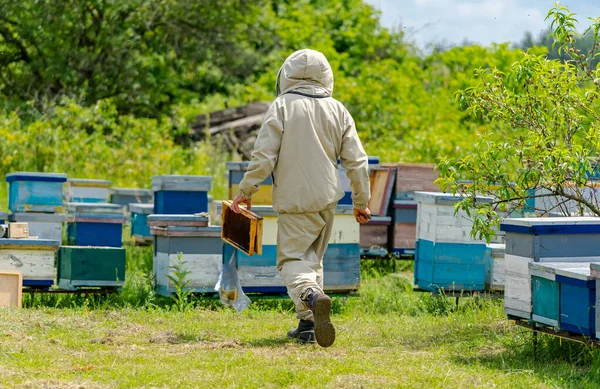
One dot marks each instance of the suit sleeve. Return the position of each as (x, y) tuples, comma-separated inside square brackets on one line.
[(355, 161), (265, 154)]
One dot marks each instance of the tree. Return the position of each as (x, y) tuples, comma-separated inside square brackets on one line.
[(542, 151), (144, 54)]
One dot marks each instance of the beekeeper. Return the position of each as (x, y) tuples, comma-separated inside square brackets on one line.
[(304, 133)]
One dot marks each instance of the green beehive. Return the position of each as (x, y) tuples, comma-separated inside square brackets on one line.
[(88, 266)]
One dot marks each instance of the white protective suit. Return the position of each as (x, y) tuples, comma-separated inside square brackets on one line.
[(304, 133)]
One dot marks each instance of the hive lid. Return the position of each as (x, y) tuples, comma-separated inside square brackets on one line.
[(45, 243), (34, 176), (380, 220), (187, 231), (552, 225), (141, 208), (37, 217), (95, 208), (89, 182), (198, 220), (441, 198), (264, 210), (371, 160), (344, 209), (405, 204), (182, 183), (136, 192), (241, 166)]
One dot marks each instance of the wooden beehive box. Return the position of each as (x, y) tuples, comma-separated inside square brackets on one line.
[(35, 192), (559, 239), (181, 195), (83, 190), (345, 181), (236, 175), (11, 288), (242, 230)]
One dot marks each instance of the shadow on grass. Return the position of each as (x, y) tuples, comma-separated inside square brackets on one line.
[(271, 342), (559, 362)]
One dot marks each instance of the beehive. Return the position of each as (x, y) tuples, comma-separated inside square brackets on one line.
[(199, 245), (405, 226), (577, 299), (35, 192), (42, 225), (413, 177), (80, 267), (236, 174), (140, 230), (83, 190), (97, 224), (560, 239), (341, 263), (34, 258), (374, 236), (345, 181), (180, 195), (126, 196), (446, 255)]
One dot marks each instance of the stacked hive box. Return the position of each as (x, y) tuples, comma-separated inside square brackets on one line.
[(595, 273), (140, 231), (447, 257), (3, 217), (94, 257), (80, 190), (236, 174), (374, 236), (126, 196), (561, 239), (37, 199), (409, 179), (180, 195), (91, 266), (95, 224), (341, 263), (199, 246), (345, 181), (32, 257), (564, 296)]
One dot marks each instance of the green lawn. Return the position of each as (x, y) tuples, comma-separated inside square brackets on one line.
[(388, 336)]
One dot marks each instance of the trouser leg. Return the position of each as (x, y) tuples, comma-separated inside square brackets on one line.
[(301, 243)]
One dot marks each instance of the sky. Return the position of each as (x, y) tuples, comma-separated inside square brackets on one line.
[(479, 21)]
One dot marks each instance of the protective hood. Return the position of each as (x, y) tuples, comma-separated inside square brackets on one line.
[(305, 70)]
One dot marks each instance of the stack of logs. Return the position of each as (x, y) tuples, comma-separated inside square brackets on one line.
[(235, 128)]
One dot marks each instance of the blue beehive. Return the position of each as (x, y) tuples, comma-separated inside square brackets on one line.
[(35, 192), (95, 224), (345, 181), (181, 195), (198, 244), (140, 230), (341, 263), (446, 256), (559, 239), (545, 292), (577, 299), (3, 217), (32, 257)]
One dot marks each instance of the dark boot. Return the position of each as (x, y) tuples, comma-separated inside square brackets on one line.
[(320, 305), (305, 333)]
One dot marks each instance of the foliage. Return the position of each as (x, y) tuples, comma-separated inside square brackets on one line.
[(544, 137), (179, 277), (144, 54)]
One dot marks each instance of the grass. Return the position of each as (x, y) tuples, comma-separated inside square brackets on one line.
[(388, 336)]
